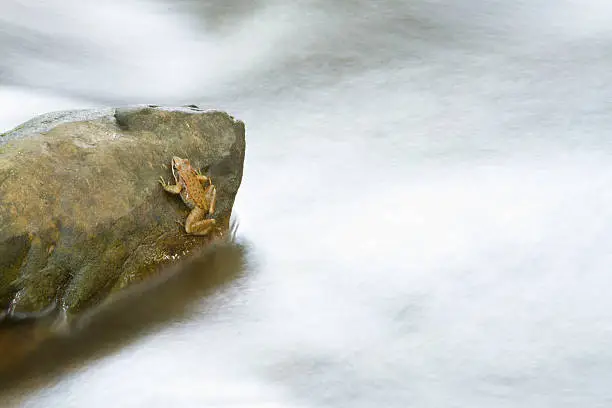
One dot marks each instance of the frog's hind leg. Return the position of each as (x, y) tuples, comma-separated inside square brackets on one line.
[(196, 223), (211, 197)]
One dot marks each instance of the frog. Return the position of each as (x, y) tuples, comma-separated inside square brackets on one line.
[(197, 192)]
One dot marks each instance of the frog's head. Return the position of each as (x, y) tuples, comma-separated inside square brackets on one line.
[(179, 164)]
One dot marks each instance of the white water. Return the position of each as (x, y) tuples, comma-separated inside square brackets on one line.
[(426, 191)]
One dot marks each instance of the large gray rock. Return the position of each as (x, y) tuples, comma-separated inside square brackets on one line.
[(81, 212)]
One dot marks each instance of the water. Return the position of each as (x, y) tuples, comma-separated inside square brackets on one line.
[(425, 195)]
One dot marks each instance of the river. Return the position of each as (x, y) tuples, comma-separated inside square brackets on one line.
[(426, 195)]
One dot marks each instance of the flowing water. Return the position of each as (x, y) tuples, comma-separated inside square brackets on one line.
[(426, 195)]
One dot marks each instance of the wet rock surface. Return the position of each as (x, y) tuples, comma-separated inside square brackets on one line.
[(82, 214)]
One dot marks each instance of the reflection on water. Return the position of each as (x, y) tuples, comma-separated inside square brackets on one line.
[(425, 191), (172, 297)]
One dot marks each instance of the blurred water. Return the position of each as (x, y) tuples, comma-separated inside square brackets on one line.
[(425, 192)]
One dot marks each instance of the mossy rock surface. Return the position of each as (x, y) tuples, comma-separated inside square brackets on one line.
[(82, 214)]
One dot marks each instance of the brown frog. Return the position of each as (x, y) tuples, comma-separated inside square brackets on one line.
[(190, 185)]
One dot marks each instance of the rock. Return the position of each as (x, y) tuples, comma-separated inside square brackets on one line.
[(82, 214)]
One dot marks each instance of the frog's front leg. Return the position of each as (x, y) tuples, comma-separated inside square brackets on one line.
[(171, 188), (202, 178), (197, 224)]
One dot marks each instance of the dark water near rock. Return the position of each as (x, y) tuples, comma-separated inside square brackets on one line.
[(426, 195)]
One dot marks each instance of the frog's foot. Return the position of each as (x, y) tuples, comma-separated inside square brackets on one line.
[(211, 198), (196, 223), (171, 188)]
